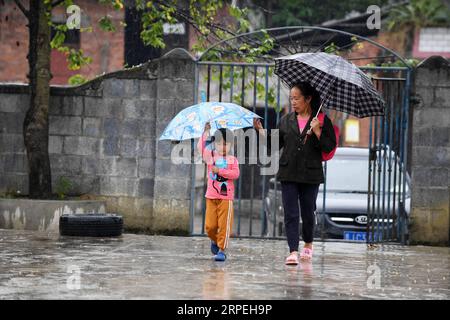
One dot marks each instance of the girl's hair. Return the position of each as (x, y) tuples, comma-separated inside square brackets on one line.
[(223, 134), (309, 91)]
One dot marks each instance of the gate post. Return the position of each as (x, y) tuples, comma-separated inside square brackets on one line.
[(430, 161)]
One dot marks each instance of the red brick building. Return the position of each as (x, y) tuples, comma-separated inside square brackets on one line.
[(105, 48), (109, 51), (13, 44)]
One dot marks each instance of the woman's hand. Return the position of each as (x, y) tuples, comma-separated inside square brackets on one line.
[(215, 170), (315, 127)]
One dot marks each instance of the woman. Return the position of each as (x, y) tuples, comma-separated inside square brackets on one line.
[(300, 171)]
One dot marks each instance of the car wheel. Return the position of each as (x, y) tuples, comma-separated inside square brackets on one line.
[(91, 225)]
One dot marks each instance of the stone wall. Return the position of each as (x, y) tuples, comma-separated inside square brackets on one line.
[(103, 138), (431, 153)]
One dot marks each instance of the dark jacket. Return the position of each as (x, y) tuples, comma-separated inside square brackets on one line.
[(303, 162)]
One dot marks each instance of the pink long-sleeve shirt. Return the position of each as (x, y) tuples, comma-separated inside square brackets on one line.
[(231, 172)]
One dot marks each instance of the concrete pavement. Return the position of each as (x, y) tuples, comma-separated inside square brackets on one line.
[(46, 266)]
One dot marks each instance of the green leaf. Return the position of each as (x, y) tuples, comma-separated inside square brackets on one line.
[(58, 40), (77, 79), (63, 49), (76, 59), (68, 3), (332, 48), (87, 29), (106, 24), (63, 187), (117, 4)]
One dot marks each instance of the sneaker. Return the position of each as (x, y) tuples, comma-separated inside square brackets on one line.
[(292, 259), (220, 256), (306, 254), (214, 248)]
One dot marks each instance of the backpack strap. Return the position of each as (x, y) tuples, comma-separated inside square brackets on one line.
[(321, 118)]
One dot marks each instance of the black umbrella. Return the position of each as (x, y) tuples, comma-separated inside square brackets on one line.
[(342, 85)]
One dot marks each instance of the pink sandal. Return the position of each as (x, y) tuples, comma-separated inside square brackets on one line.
[(306, 254), (292, 259)]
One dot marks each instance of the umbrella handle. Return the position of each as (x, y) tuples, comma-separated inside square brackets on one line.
[(209, 121), (323, 100), (310, 129)]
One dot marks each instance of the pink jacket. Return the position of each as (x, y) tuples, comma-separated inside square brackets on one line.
[(217, 189)]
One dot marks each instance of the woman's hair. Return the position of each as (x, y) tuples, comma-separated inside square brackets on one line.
[(222, 134), (309, 91)]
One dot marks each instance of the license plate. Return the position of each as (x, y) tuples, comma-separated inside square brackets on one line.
[(355, 235), (361, 236)]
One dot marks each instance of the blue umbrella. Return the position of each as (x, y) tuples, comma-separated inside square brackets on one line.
[(190, 122)]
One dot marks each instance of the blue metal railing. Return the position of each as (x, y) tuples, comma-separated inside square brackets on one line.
[(387, 175)]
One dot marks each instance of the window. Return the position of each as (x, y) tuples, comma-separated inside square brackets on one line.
[(72, 36)]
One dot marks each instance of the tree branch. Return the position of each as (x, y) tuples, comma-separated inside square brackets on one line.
[(56, 3), (184, 15), (22, 8)]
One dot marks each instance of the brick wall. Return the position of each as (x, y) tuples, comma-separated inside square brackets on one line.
[(13, 44), (105, 48)]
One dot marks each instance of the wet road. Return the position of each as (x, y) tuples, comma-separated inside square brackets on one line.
[(41, 266)]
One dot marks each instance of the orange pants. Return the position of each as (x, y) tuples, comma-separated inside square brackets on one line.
[(219, 221)]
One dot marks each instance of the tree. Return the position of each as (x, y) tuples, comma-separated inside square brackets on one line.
[(280, 13), (200, 14), (35, 127), (417, 14)]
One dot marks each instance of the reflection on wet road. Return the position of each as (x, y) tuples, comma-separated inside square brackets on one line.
[(42, 266)]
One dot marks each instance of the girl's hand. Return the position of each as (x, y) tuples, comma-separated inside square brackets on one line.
[(257, 124), (215, 170), (259, 127)]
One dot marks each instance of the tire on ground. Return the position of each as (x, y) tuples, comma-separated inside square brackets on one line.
[(91, 225)]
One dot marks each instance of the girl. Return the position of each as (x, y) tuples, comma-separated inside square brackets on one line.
[(222, 169)]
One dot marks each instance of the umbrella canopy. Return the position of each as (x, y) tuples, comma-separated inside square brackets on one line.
[(342, 85), (190, 122)]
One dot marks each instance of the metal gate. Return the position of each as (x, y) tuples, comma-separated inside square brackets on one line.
[(389, 197), (258, 207)]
